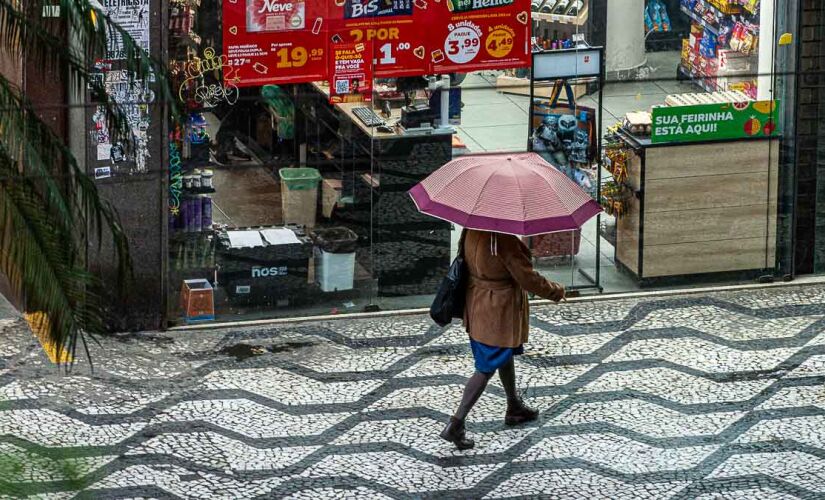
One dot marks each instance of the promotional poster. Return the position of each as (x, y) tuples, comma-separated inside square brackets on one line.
[(351, 73), (393, 27), (473, 35), (275, 41), (291, 41)]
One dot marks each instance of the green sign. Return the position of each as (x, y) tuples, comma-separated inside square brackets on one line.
[(713, 122)]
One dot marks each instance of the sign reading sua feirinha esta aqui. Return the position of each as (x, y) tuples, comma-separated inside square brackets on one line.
[(712, 122)]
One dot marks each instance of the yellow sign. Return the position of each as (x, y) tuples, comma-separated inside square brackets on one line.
[(40, 325)]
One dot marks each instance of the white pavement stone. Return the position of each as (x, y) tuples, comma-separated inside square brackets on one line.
[(646, 418), (337, 358), (702, 355), (49, 428), (676, 386), (748, 494), (213, 450), (796, 397), (421, 434), (196, 485), (801, 469), (401, 472), (250, 418), (617, 453), (726, 324), (289, 388), (811, 367), (579, 484), (805, 430), (337, 493)]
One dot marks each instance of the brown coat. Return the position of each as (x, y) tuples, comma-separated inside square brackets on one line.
[(500, 275)]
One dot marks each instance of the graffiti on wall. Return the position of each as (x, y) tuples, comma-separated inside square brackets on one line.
[(175, 178), (208, 92)]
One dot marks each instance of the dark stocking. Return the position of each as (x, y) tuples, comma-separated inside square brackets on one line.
[(507, 374), (475, 387)]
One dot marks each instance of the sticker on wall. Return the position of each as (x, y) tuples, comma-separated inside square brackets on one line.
[(104, 152), (131, 97), (103, 172), (133, 17)]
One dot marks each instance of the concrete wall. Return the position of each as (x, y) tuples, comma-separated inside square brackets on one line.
[(810, 223), (140, 200)]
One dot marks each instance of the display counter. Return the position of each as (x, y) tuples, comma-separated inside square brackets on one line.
[(407, 251), (699, 208)]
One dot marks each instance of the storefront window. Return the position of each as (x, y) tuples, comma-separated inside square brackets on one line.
[(306, 124)]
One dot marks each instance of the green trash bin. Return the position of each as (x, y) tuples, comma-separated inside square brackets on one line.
[(299, 195)]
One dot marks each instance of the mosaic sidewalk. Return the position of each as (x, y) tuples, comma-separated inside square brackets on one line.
[(708, 396)]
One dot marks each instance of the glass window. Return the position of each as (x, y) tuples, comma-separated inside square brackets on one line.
[(306, 124)]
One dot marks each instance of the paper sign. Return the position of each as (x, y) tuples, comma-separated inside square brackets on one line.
[(104, 152), (351, 73)]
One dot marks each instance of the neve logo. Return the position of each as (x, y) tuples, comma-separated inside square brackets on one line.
[(270, 6), (267, 272)]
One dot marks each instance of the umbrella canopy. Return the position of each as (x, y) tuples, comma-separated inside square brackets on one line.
[(518, 194)]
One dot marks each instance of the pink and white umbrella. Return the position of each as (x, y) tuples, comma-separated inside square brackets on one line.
[(519, 194)]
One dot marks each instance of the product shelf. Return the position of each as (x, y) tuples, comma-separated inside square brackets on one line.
[(579, 20), (699, 20)]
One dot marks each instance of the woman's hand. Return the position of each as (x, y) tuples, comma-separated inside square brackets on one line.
[(558, 293)]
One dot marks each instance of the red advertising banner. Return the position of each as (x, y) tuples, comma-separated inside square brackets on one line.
[(351, 73), (392, 26), (473, 35), (290, 41), (276, 41)]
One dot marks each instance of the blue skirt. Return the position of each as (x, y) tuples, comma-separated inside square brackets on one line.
[(489, 359)]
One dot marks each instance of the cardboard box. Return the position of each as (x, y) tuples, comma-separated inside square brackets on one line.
[(197, 301), (330, 196)]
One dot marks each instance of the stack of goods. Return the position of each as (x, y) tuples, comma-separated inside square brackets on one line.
[(709, 98), (558, 7), (656, 17), (617, 160), (720, 53), (638, 123)]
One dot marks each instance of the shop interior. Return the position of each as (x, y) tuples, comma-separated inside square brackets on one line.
[(289, 205)]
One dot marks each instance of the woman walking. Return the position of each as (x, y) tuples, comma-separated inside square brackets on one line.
[(496, 314)]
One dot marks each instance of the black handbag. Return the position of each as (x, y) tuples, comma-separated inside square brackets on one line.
[(451, 295)]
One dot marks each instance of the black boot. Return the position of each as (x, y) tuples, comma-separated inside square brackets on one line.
[(518, 413), (457, 434)]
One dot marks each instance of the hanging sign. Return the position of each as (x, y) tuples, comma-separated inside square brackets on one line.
[(290, 41), (710, 122), (351, 73), (473, 35), (393, 27), (275, 41)]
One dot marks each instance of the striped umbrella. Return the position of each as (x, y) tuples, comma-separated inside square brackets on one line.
[(519, 194)]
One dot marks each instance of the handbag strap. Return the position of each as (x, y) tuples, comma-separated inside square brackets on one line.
[(556, 94)]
